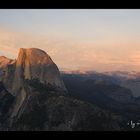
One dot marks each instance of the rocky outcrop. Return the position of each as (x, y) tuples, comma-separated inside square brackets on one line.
[(31, 64), (4, 61)]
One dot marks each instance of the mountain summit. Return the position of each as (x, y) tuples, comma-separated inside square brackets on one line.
[(31, 64), (25, 81), (33, 68)]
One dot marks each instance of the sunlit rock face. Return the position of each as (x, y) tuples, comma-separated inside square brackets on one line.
[(36, 64), (7, 67), (4, 64), (31, 64)]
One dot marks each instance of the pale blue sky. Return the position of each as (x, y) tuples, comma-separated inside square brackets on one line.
[(87, 24), (96, 39)]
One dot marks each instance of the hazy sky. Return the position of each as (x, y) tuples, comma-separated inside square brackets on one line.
[(101, 40)]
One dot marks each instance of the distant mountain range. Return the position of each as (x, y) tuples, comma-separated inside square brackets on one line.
[(117, 74), (130, 80)]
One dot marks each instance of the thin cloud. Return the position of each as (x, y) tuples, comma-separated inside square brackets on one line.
[(72, 54)]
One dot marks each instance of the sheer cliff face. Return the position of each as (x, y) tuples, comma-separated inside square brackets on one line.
[(31, 64)]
